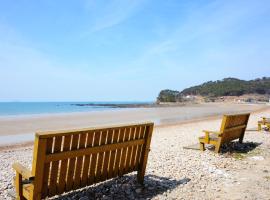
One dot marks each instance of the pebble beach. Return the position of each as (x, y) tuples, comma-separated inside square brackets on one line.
[(241, 171)]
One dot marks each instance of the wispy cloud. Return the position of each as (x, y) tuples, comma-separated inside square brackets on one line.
[(106, 14), (131, 44), (216, 19), (217, 34), (208, 31)]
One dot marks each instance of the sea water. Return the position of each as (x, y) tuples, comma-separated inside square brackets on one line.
[(32, 108), (29, 108)]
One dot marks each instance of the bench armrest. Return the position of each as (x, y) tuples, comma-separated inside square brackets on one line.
[(22, 174), (20, 169), (215, 132), (207, 135)]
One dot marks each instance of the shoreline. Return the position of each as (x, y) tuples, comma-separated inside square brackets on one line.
[(27, 139), (21, 129), (206, 174), (119, 107)]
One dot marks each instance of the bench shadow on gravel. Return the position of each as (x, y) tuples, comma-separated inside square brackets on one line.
[(126, 187), (236, 147)]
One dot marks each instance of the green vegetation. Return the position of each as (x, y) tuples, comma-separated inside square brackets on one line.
[(230, 87), (168, 96), (225, 87)]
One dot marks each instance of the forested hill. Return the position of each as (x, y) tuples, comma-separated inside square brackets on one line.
[(230, 87), (225, 87)]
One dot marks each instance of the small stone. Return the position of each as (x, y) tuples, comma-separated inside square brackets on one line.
[(151, 188), (128, 192), (138, 191), (84, 198)]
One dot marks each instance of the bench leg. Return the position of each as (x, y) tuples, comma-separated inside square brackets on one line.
[(19, 187), (140, 177), (241, 139), (259, 127), (202, 146), (217, 148)]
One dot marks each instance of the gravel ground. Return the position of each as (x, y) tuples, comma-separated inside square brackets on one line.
[(242, 171)]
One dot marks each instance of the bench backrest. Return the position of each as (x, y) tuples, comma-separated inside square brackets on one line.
[(68, 160), (233, 127)]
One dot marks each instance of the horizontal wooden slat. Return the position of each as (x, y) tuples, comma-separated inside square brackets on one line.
[(49, 134), (234, 128), (91, 150)]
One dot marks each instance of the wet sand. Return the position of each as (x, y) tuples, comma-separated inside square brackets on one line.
[(17, 129)]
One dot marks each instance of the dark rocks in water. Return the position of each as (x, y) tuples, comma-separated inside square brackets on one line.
[(111, 105), (135, 105)]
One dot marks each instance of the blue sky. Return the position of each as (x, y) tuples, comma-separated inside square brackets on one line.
[(126, 50)]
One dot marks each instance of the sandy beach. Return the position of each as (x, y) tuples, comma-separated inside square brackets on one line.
[(177, 173), (18, 129)]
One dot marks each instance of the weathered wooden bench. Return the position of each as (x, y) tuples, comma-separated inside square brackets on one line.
[(232, 127), (68, 160), (264, 122)]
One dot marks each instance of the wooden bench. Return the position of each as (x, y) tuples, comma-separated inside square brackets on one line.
[(264, 122), (68, 160), (232, 127)]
